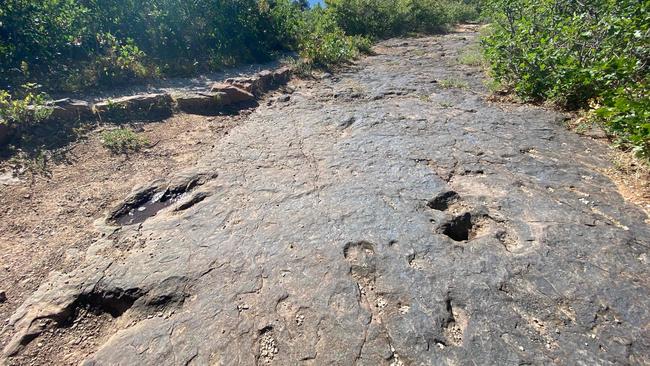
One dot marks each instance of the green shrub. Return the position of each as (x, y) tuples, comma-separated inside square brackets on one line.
[(316, 35), (430, 16), (386, 18), (39, 37), (77, 44), (378, 18), (123, 140), (118, 63), (593, 55), (20, 112), (97, 42), (323, 43)]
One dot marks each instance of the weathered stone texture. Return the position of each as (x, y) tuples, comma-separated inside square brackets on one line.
[(378, 218)]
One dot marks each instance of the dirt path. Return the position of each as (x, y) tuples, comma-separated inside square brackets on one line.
[(387, 214)]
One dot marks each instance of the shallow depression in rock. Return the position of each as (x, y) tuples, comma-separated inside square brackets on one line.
[(148, 208)]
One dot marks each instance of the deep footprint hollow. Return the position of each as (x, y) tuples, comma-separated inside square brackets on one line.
[(459, 228)]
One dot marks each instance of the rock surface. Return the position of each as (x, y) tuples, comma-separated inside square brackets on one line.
[(70, 109), (204, 103), (375, 218), (137, 107), (231, 94)]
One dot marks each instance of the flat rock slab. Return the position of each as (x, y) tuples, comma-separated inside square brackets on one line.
[(70, 109), (262, 81), (231, 94), (375, 218), (137, 107), (199, 103), (220, 95)]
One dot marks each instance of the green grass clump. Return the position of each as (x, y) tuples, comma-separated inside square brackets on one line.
[(471, 57), (591, 55), (123, 140), (453, 84)]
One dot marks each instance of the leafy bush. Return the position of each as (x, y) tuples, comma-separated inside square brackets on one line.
[(593, 55), (316, 35), (118, 63), (123, 140), (435, 15), (19, 112), (97, 42), (77, 44), (323, 43), (386, 18), (39, 37)]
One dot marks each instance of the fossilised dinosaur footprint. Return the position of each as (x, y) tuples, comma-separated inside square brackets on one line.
[(443, 201), (454, 329), (359, 255), (464, 223), (459, 228)]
